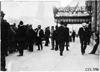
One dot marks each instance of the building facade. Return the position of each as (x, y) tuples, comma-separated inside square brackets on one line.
[(95, 15), (95, 19), (98, 15)]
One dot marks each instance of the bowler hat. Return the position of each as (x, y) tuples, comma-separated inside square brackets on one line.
[(2, 13)]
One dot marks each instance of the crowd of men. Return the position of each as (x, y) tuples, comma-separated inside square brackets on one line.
[(15, 39)]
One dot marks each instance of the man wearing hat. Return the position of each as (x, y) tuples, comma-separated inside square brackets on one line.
[(40, 36), (83, 33), (61, 37), (21, 36), (4, 40), (66, 36)]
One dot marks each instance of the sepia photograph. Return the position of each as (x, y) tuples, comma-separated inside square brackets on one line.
[(49, 35)]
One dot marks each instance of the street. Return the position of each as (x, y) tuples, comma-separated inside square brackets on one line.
[(50, 60)]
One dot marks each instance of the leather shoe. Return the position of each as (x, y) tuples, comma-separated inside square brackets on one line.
[(61, 54), (3, 69)]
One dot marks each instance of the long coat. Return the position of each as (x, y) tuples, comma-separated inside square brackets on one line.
[(66, 34), (5, 27), (61, 34), (83, 33), (21, 34)]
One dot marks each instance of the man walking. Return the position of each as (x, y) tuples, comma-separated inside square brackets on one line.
[(52, 37), (61, 37), (97, 43), (55, 38), (73, 35), (83, 32), (66, 36)]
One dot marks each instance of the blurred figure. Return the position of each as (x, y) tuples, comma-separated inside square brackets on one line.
[(52, 37), (73, 36), (15, 41), (97, 43), (47, 35), (4, 40), (83, 33), (66, 36), (70, 36), (40, 36), (61, 37), (55, 38), (89, 32), (35, 40), (11, 39), (21, 36), (31, 38)]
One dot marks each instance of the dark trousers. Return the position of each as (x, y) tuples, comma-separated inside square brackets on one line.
[(3, 53), (95, 47), (80, 38), (21, 47), (88, 41), (83, 46), (61, 47), (39, 43), (56, 48), (47, 41), (11, 46), (3, 61), (15, 45), (30, 46), (70, 38), (67, 44), (52, 42), (73, 38)]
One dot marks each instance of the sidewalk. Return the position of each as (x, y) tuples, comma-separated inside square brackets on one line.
[(50, 60)]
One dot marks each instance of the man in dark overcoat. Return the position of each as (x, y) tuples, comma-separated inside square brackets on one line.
[(5, 27), (83, 33), (47, 36), (61, 37), (66, 36), (21, 36), (52, 37), (73, 35), (55, 38), (31, 38)]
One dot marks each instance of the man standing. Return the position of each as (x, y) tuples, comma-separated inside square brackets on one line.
[(83, 33), (31, 38), (97, 43), (89, 33), (52, 37), (5, 27), (47, 35), (40, 36), (61, 37), (21, 36), (66, 36), (55, 37)]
